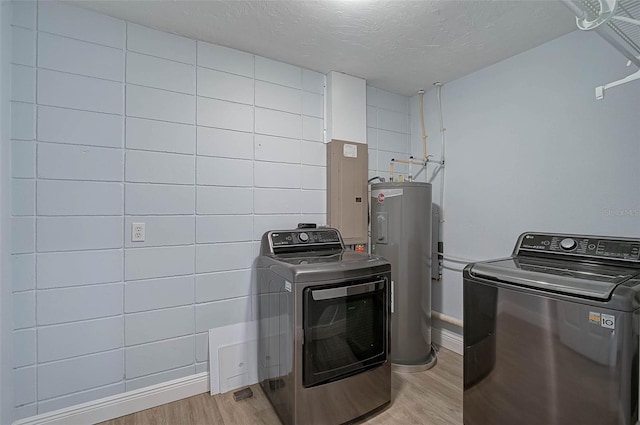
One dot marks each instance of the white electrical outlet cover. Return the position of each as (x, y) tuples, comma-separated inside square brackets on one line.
[(137, 232)]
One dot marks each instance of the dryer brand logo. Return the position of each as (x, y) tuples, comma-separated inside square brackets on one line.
[(604, 320)]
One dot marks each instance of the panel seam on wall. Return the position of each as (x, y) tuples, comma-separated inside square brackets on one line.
[(154, 88), (35, 218), (166, 59), (77, 74), (125, 30), (228, 101), (111, 350), (302, 218), (69, 37), (81, 110), (195, 208), (253, 167)]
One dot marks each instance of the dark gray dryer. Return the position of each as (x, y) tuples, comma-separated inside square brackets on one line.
[(323, 335), (551, 333)]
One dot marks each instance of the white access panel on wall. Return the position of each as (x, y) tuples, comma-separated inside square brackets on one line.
[(346, 104)]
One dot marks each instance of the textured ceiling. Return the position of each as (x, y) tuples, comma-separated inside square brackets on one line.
[(400, 46)]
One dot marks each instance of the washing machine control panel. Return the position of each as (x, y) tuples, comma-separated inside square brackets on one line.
[(293, 238), (586, 246)]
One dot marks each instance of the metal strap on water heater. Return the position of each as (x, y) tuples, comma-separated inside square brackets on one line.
[(382, 221)]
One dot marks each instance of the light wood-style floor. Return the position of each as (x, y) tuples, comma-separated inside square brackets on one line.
[(433, 397)]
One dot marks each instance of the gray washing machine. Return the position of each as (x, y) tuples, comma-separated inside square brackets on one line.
[(323, 332), (551, 333)]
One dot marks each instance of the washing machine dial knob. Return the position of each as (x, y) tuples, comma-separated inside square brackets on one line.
[(303, 237), (568, 244)]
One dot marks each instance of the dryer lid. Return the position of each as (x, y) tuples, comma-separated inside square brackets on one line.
[(310, 268), (567, 277)]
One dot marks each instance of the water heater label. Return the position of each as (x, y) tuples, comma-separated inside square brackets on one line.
[(386, 193), (350, 151)]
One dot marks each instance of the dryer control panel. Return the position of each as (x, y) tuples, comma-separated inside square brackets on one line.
[(623, 249)]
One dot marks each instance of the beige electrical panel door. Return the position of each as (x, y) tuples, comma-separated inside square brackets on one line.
[(347, 164)]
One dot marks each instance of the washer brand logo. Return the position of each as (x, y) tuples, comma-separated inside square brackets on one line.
[(381, 197), (604, 320), (608, 321)]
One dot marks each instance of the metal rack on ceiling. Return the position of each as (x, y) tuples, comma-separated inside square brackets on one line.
[(618, 22)]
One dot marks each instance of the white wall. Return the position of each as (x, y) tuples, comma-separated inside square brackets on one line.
[(6, 343), (530, 148), (113, 124), (387, 130)]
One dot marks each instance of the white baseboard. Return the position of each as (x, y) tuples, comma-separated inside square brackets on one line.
[(129, 402), (122, 404), (447, 339)]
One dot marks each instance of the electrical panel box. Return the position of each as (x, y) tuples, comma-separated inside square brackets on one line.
[(347, 196)]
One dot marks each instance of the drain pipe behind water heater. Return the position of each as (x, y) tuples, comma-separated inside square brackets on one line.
[(412, 161), (425, 160), (436, 314), (442, 171)]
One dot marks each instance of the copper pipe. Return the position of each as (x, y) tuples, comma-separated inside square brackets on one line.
[(424, 131), (404, 161)]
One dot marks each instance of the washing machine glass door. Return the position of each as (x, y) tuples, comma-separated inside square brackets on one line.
[(345, 330)]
